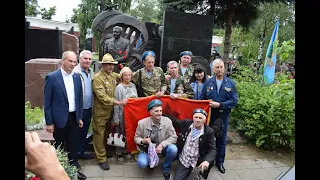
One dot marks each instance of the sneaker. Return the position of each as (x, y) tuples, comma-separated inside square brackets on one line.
[(104, 166), (120, 158), (200, 177), (128, 156), (167, 176)]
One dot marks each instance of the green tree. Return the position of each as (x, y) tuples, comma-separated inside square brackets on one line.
[(226, 13), (47, 14), (33, 9), (146, 10)]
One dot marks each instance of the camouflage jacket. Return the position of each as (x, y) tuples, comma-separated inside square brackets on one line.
[(182, 88), (103, 86), (151, 84), (188, 74)]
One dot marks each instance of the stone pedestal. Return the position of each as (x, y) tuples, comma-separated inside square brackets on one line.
[(35, 73)]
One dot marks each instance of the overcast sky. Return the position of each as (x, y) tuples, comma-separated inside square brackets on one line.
[(63, 7)]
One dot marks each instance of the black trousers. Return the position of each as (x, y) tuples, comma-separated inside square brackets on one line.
[(67, 139), (182, 173)]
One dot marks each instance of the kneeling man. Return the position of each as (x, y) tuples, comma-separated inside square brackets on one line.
[(159, 130)]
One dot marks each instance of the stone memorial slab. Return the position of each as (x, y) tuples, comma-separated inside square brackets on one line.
[(185, 31), (70, 43), (35, 73), (40, 43)]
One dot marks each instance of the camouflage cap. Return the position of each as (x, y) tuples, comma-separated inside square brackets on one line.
[(154, 103), (107, 58), (198, 110)]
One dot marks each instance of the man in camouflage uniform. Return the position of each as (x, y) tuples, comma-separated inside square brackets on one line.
[(153, 80), (103, 86), (176, 87), (185, 68)]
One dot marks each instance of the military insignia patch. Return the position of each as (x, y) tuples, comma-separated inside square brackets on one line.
[(227, 89)]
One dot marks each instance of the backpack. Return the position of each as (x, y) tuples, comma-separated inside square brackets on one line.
[(218, 125)]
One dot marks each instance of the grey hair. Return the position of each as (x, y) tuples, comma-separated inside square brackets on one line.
[(172, 62), (216, 61), (66, 53), (125, 69), (117, 27), (84, 52)]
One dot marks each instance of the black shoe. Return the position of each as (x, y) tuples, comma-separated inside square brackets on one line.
[(167, 176), (77, 165), (104, 166), (221, 168), (86, 156), (199, 176), (81, 176)]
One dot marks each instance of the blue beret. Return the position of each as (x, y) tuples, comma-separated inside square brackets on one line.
[(147, 53), (186, 53), (153, 103), (198, 110)]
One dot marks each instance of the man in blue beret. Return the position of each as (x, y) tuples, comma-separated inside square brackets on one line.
[(152, 78), (185, 69), (159, 130), (196, 146)]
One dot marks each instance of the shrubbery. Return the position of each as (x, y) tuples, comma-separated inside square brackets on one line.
[(34, 118), (265, 113)]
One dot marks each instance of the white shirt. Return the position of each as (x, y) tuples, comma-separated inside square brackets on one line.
[(68, 83)]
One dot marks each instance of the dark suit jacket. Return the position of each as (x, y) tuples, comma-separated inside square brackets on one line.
[(207, 143), (56, 105)]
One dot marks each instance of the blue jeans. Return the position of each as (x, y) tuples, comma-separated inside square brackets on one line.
[(170, 152), (221, 142), (82, 132)]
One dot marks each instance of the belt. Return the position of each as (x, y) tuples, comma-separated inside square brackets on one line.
[(73, 112)]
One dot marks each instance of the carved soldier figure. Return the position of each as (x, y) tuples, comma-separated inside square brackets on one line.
[(117, 46)]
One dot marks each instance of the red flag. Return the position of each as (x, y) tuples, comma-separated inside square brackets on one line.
[(136, 109)]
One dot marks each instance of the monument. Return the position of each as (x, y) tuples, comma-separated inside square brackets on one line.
[(88, 42)]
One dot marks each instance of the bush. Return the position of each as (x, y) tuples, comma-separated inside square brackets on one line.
[(34, 118), (266, 113)]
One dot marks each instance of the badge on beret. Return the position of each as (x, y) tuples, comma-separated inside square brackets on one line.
[(227, 89)]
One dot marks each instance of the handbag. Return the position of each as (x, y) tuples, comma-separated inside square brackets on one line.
[(116, 139), (153, 157), (139, 86)]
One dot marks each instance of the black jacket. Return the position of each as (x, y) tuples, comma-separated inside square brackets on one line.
[(207, 143)]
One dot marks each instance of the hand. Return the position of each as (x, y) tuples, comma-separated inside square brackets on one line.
[(214, 104), (159, 94), (204, 165), (174, 96), (146, 140), (167, 77), (116, 123), (41, 158), (80, 123), (123, 102), (50, 128), (159, 148)]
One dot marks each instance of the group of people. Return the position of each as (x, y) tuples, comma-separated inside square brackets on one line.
[(76, 97)]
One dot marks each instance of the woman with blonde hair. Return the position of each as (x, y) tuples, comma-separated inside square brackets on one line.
[(126, 89)]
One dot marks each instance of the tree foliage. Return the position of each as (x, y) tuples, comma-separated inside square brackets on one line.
[(146, 10), (33, 9)]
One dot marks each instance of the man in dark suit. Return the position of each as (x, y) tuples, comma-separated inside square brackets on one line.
[(196, 146), (63, 106)]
